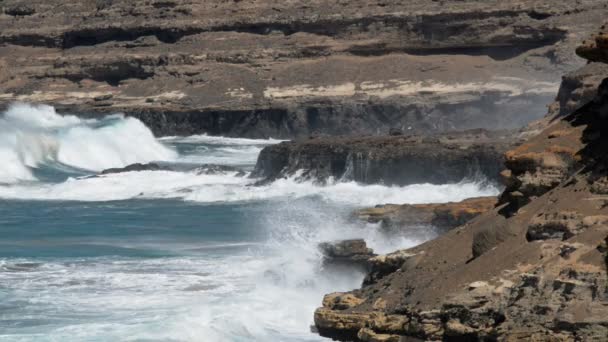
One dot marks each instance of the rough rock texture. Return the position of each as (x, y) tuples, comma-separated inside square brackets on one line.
[(578, 88), (347, 252), (539, 273), (441, 215), (390, 160), (134, 167), (290, 68)]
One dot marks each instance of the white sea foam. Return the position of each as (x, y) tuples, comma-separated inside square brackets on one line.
[(243, 155), (34, 135), (219, 140), (230, 188), (263, 290), (267, 293)]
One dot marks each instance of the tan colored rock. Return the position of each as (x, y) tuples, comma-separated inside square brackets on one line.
[(368, 335), (341, 301), (442, 215), (344, 325), (456, 329), (556, 225)]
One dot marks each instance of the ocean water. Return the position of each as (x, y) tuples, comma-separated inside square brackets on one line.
[(167, 255)]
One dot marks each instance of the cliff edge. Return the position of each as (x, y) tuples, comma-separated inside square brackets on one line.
[(534, 268)]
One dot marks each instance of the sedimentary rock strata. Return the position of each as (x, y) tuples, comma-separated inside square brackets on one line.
[(534, 268), (441, 215), (259, 69)]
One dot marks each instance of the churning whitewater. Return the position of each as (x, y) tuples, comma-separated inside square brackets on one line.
[(169, 255)]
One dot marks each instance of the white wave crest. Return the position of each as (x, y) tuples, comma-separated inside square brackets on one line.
[(229, 188), (219, 140), (34, 135)]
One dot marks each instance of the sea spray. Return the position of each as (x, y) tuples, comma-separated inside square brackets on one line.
[(34, 135)]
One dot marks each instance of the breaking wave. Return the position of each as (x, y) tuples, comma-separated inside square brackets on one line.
[(32, 136)]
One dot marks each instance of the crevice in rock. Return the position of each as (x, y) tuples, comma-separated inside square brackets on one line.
[(94, 36), (499, 53), (444, 33)]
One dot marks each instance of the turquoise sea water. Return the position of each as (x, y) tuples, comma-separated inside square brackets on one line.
[(168, 255)]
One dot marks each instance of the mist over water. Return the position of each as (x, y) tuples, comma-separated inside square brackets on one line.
[(168, 255)]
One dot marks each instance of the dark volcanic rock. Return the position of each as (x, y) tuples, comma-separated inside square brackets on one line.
[(134, 167), (390, 160), (291, 69)]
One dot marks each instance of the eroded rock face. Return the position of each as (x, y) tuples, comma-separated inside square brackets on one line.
[(347, 253), (291, 69), (578, 88), (390, 160), (441, 215), (539, 165), (539, 273)]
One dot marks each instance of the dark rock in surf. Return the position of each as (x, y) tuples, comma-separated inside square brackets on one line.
[(135, 167)]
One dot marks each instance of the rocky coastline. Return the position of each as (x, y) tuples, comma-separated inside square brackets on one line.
[(374, 92), (289, 70), (391, 160), (532, 268), (444, 216)]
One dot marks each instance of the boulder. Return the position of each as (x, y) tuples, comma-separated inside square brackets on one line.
[(347, 252)]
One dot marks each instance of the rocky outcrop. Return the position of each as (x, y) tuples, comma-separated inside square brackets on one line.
[(390, 160), (204, 169), (347, 253), (134, 168), (441, 215), (578, 88), (539, 273), (291, 69)]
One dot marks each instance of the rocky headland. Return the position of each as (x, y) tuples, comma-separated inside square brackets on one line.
[(532, 268), (291, 69), (391, 160)]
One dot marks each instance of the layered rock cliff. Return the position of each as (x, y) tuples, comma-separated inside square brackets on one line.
[(391, 160), (288, 69), (534, 268)]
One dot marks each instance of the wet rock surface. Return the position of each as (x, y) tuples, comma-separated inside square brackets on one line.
[(537, 271), (291, 69), (204, 169), (134, 168), (392, 160)]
